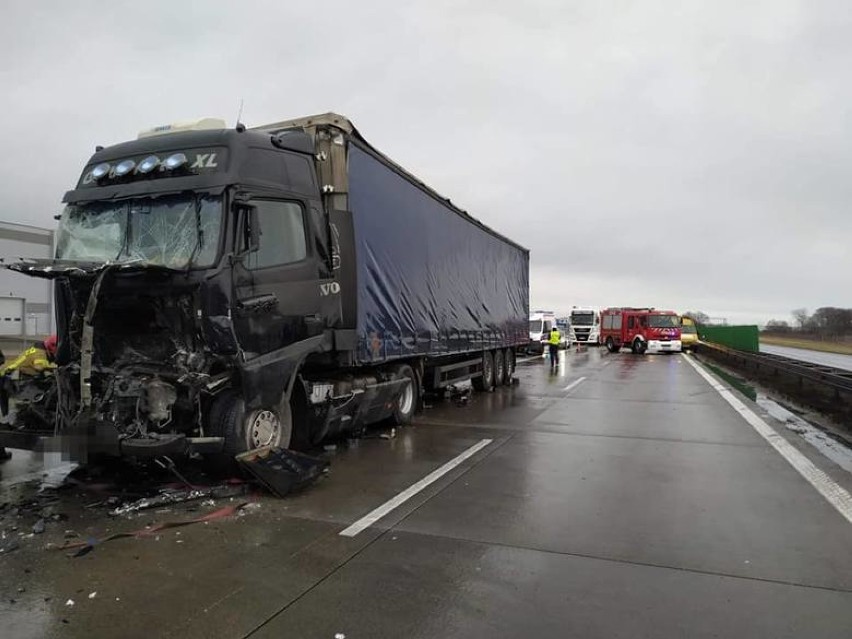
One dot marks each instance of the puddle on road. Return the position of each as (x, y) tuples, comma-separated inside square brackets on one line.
[(831, 447), (827, 444)]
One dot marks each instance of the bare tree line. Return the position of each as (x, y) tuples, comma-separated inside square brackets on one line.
[(828, 322)]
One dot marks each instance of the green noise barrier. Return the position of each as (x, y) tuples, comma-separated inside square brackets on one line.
[(741, 338)]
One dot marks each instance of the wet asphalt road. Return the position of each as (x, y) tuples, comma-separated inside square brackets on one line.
[(836, 360), (635, 504)]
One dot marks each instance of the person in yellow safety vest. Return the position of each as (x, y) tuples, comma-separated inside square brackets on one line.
[(553, 343), (33, 361)]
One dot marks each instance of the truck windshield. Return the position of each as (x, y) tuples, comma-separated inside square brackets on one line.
[(176, 231), (663, 321), (535, 326), (582, 319)]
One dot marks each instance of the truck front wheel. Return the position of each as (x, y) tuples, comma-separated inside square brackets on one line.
[(245, 430), (639, 346)]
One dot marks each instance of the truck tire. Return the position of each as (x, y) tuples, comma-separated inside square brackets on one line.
[(242, 430), (499, 367), (610, 345), (509, 368), (639, 346), (485, 382), (406, 401)]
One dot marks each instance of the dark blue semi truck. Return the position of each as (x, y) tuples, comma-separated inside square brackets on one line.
[(224, 289)]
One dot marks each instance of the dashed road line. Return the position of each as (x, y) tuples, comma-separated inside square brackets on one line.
[(375, 515), (574, 384)]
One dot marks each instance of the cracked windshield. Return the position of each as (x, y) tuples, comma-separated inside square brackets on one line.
[(171, 231)]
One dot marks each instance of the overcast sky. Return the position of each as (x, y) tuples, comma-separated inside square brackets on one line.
[(674, 154)]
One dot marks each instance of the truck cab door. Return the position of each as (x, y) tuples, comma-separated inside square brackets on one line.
[(276, 278)]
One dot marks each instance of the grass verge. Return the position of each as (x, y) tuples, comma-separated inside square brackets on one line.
[(844, 348)]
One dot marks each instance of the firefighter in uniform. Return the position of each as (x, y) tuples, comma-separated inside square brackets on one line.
[(553, 344), (36, 360)]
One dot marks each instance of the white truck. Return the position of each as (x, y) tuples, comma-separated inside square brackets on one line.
[(586, 324), (540, 324)]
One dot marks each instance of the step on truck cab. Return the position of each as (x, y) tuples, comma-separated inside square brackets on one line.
[(586, 324), (222, 289), (642, 329)]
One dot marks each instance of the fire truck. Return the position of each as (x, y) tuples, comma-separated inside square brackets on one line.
[(642, 329)]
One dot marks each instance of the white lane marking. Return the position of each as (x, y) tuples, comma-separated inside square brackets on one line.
[(574, 384), (836, 495), (372, 517)]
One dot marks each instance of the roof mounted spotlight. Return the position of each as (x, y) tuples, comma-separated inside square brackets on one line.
[(101, 170), (124, 167), (175, 161), (148, 164)]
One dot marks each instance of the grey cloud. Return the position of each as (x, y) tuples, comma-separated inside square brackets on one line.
[(669, 153)]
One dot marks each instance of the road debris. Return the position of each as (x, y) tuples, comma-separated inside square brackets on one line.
[(171, 497), (8, 545), (281, 470), (85, 547)]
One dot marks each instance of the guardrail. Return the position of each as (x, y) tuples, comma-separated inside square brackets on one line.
[(825, 388)]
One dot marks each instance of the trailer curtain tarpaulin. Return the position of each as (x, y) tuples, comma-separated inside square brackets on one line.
[(430, 279)]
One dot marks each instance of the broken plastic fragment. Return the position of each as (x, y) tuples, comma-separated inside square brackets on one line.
[(92, 595), (70, 602)]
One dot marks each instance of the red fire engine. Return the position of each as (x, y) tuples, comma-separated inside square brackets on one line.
[(640, 328)]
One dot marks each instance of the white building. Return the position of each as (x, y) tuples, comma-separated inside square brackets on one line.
[(26, 303)]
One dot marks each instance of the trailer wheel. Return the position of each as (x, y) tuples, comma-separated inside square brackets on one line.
[(406, 402), (610, 345), (639, 345), (509, 358), (242, 430), (499, 367), (485, 382)]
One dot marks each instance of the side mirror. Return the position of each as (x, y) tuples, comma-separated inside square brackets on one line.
[(250, 225)]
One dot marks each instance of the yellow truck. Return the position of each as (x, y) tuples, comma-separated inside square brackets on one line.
[(688, 333)]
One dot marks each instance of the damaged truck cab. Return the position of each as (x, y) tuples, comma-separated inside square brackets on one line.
[(215, 292)]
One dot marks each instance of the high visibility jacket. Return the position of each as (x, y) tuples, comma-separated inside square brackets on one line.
[(554, 337), (31, 362)]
